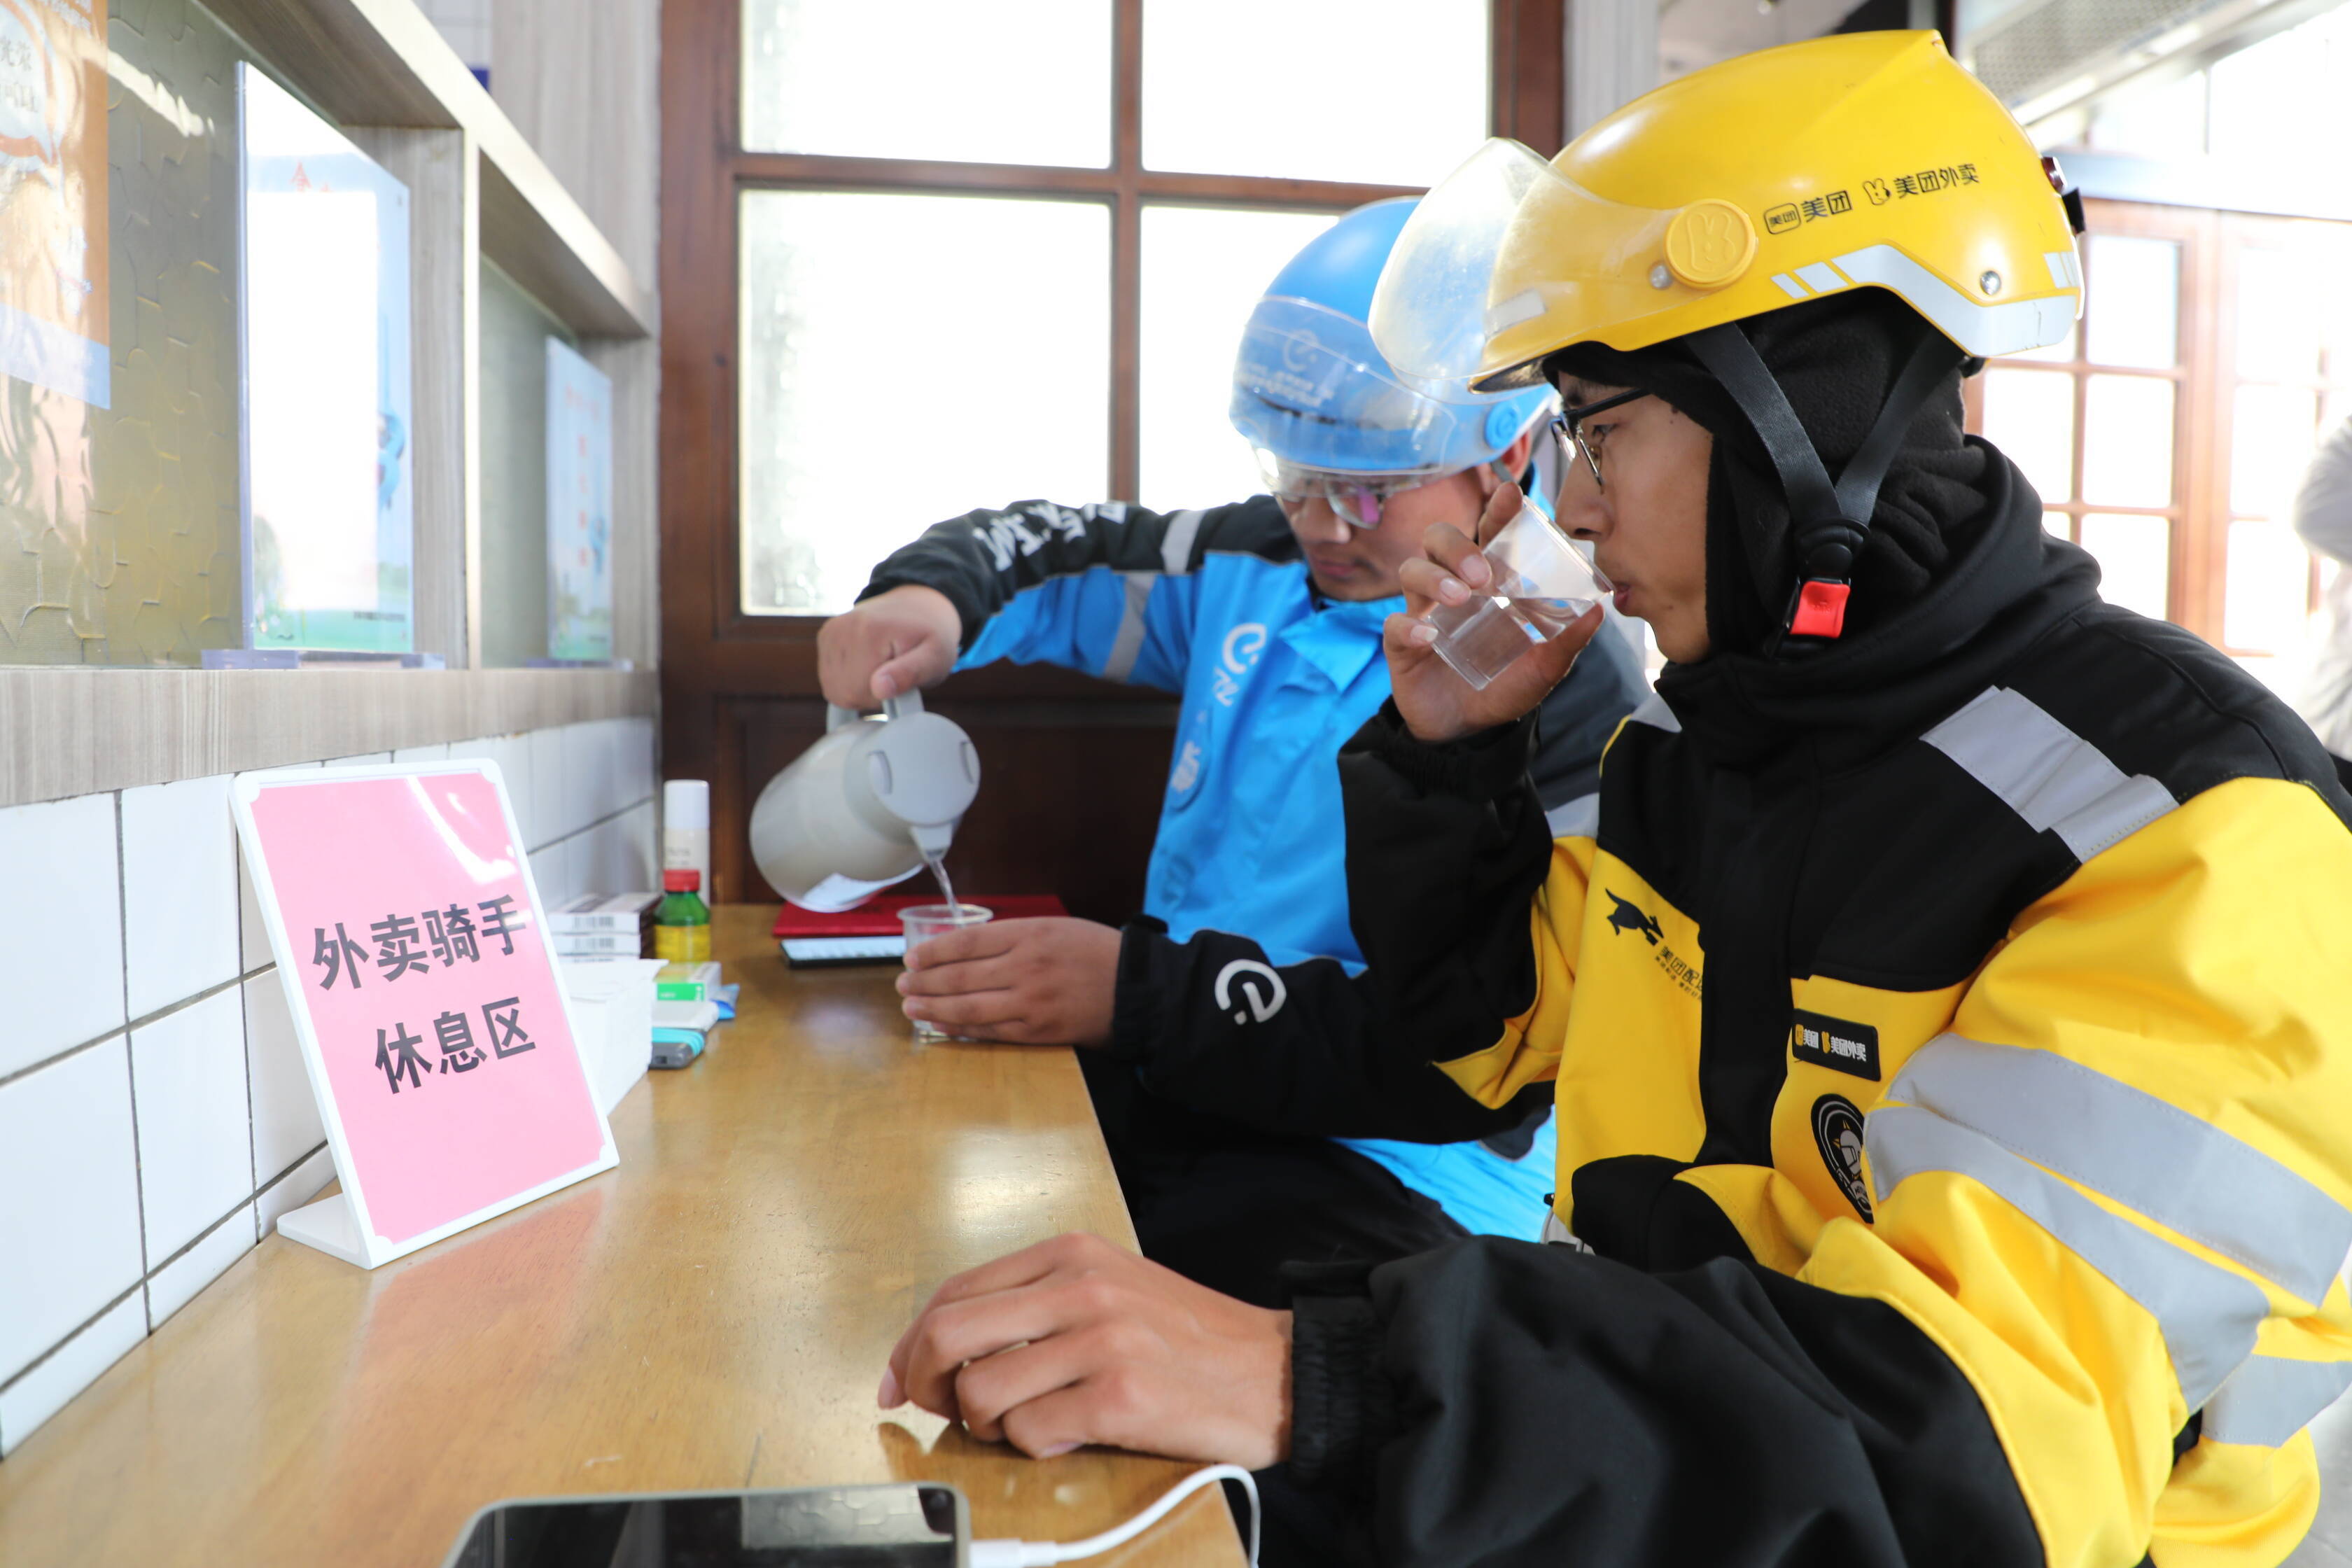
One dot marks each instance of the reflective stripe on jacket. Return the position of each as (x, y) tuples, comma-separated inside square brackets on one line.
[(1953, 1084)]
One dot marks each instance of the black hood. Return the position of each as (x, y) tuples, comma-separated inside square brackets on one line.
[(1956, 576)]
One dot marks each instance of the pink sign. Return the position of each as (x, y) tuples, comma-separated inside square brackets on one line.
[(408, 938)]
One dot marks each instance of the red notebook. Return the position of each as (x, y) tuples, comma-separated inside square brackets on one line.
[(879, 917)]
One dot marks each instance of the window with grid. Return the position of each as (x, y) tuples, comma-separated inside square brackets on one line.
[(2285, 377), (2168, 435), (2093, 421), (989, 253)]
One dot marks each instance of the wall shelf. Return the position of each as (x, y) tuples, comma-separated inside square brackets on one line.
[(382, 63)]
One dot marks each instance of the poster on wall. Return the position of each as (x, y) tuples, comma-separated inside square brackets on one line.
[(578, 507), (54, 308), (329, 499)]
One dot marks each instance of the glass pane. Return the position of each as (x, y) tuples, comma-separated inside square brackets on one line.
[(2278, 332), (2267, 593), (2134, 289), (1203, 271), (2272, 432), (515, 329), (328, 393), (2058, 525), (2030, 415), (882, 391), (2134, 559), (1000, 83), (119, 511), (2127, 441), (2060, 353), (1386, 91), (2335, 408)]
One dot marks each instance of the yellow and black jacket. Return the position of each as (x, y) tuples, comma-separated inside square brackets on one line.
[(1952, 1039)]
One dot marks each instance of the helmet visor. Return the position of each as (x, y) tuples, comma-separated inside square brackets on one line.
[(1309, 386), (1509, 260)]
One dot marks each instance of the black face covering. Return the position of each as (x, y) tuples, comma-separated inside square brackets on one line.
[(1837, 360)]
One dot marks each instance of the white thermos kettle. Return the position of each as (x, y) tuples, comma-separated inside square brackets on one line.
[(864, 807)]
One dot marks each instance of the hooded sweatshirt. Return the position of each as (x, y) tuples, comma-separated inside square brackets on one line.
[(1950, 1028)]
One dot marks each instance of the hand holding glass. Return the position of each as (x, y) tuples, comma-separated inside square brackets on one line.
[(924, 921), (1541, 584)]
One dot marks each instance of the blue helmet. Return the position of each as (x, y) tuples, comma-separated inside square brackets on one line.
[(1311, 392)]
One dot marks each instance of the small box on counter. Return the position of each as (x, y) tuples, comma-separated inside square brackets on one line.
[(603, 925), (603, 914)]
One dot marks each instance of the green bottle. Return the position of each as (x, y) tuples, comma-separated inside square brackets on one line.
[(682, 924)]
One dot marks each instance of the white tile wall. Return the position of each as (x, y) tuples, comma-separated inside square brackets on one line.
[(554, 794), (179, 891), (68, 1199), (60, 928), (253, 937), (295, 1188), (617, 855), (196, 1137), (512, 754), (285, 1125), (175, 1284), (106, 1227), (73, 1366), (551, 871)]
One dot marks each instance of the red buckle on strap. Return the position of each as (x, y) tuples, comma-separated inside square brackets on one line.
[(1821, 609)]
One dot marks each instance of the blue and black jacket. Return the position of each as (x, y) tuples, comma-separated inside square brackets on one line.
[(1245, 951)]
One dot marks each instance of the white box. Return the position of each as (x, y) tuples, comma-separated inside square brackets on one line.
[(612, 1009)]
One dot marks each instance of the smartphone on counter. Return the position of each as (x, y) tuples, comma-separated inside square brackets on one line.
[(911, 1524)]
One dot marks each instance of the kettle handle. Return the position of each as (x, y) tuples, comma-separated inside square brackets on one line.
[(896, 708)]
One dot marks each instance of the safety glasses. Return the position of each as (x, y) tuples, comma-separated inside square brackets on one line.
[(1355, 498), (1566, 429)]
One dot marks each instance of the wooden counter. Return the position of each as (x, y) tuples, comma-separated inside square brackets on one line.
[(715, 1312)]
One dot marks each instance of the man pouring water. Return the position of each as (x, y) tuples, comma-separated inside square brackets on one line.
[(1265, 615)]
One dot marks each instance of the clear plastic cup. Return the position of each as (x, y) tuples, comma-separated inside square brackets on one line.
[(1540, 586), (924, 921)]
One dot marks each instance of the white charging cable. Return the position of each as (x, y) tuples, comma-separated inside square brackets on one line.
[(1045, 1553)]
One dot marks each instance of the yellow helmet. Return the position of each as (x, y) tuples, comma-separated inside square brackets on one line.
[(1859, 159)]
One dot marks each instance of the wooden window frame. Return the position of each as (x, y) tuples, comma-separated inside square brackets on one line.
[(2235, 232), (2204, 408), (2193, 584), (713, 652)]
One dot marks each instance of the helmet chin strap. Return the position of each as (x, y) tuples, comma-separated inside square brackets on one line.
[(1830, 521)]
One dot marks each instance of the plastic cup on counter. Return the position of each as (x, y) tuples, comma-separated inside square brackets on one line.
[(924, 921)]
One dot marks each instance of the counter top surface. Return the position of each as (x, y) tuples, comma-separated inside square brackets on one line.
[(715, 1312)]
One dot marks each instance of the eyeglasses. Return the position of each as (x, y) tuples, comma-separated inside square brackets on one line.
[(1356, 500), (1567, 428)]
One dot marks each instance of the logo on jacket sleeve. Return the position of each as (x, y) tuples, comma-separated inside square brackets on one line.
[(1834, 1043), (1837, 1128), (1259, 987), (1630, 916)]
